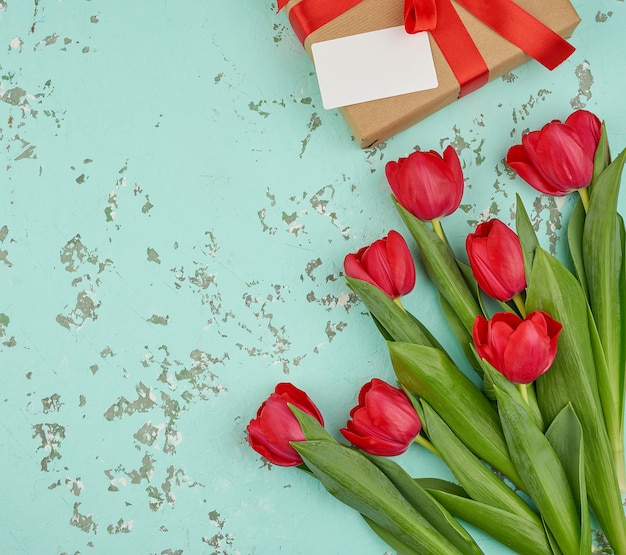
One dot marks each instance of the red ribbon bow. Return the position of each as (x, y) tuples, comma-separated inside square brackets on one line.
[(503, 16), (440, 18), (444, 24)]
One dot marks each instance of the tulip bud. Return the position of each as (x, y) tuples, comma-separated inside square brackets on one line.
[(275, 425), (386, 264), (495, 256), (427, 184), (520, 349), (558, 158), (384, 422)]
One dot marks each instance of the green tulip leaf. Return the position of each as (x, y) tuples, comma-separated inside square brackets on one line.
[(555, 547), (610, 398), (602, 155), (400, 547), (470, 280), (565, 434), (432, 376), (572, 379), (575, 241), (353, 479), (442, 485), (603, 253), (398, 324), (472, 284), (516, 532), (414, 401), (462, 335), (442, 268), (426, 505), (311, 428), (381, 329), (618, 448), (474, 476), (526, 234), (537, 464), (622, 293), (489, 389)]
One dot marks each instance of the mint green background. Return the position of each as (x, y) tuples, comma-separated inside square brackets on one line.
[(174, 212)]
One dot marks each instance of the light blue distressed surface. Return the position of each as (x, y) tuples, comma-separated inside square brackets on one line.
[(174, 213)]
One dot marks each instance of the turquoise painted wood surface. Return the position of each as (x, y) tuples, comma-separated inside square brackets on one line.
[(175, 207)]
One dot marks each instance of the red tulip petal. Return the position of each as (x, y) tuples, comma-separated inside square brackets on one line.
[(275, 426), (291, 394), (391, 172), (365, 390), (363, 425), (401, 263), (479, 262), (496, 259), (479, 330), (384, 422), (279, 424), (283, 455), (551, 327), (480, 338), (517, 158), (376, 264), (529, 143), (506, 260), (500, 328), (538, 319), (588, 127), (374, 445), (562, 158), (508, 318), (353, 268), (390, 410), (526, 356), (426, 182)]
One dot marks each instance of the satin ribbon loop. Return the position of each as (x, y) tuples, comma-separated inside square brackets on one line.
[(459, 49), (419, 15)]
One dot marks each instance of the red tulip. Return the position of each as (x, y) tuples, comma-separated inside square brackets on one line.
[(495, 256), (386, 264), (426, 184), (275, 425), (384, 422), (559, 158), (519, 349)]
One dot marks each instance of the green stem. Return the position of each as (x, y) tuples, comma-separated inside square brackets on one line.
[(399, 303), (523, 389), (519, 303), (438, 229), (584, 197), (421, 440)]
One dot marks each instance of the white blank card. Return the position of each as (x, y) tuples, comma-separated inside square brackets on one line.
[(374, 65)]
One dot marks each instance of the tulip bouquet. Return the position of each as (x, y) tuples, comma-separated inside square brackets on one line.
[(537, 447)]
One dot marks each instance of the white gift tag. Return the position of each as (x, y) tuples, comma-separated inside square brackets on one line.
[(374, 65)]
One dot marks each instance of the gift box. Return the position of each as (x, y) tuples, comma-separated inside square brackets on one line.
[(375, 121)]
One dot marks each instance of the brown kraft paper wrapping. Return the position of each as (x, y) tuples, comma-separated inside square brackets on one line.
[(375, 121)]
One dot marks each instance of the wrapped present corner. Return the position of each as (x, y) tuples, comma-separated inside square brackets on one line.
[(531, 22)]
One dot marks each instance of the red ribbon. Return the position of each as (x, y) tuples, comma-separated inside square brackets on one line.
[(443, 22)]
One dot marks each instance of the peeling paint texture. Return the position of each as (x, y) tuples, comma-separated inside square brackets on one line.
[(175, 208)]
